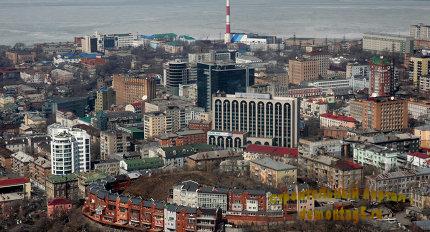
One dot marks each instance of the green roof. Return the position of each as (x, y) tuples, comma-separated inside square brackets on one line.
[(165, 36), (56, 179), (86, 119), (187, 150), (380, 60), (92, 176), (146, 163)]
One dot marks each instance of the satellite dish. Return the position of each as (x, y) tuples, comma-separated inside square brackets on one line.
[(145, 97)]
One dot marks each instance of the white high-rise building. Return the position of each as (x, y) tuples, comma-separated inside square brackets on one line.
[(64, 154), (261, 115), (81, 138)]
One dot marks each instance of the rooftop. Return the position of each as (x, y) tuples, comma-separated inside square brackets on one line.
[(142, 164), (278, 151), (380, 60), (214, 155), (347, 165), (338, 117), (272, 164), (14, 181), (59, 201), (419, 155), (187, 150), (62, 179)]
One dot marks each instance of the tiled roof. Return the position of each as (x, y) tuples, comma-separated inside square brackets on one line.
[(278, 151), (338, 117), (59, 201), (13, 181), (419, 155), (346, 165)]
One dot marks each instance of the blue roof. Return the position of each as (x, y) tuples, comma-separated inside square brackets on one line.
[(236, 38)]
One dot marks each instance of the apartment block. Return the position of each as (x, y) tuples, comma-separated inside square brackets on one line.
[(303, 70), (332, 172), (419, 69), (381, 157), (113, 141), (271, 172), (418, 109), (129, 88), (377, 42), (381, 114)]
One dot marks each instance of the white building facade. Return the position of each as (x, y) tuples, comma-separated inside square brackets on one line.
[(83, 140)]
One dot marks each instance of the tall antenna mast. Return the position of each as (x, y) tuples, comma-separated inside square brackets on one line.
[(227, 37)]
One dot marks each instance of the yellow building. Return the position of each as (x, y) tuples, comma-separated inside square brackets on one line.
[(424, 133), (155, 123), (271, 172), (105, 99), (418, 68)]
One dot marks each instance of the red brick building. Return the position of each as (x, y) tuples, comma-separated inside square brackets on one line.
[(200, 125), (182, 138), (58, 206)]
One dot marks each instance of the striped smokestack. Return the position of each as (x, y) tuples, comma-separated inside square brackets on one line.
[(227, 37)]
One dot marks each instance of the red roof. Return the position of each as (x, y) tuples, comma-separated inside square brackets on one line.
[(338, 117), (278, 151), (419, 155), (13, 181), (59, 201), (346, 165)]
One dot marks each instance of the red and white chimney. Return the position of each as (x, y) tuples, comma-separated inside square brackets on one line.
[(227, 36)]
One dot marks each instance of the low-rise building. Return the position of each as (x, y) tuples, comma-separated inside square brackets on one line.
[(58, 206), (421, 197), (141, 164), (377, 156), (110, 167), (332, 172), (180, 138), (65, 186), (281, 154), (14, 189), (398, 182), (210, 159), (21, 163), (271, 172), (423, 132), (175, 156), (402, 142), (418, 160), (418, 109), (40, 169), (331, 120), (200, 125), (6, 158), (317, 146)]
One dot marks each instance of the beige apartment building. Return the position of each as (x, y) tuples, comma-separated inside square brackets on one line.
[(129, 89), (112, 142), (302, 70), (155, 123), (424, 133), (271, 172), (332, 172)]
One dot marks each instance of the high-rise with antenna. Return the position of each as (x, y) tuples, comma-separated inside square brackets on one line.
[(227, 36)]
